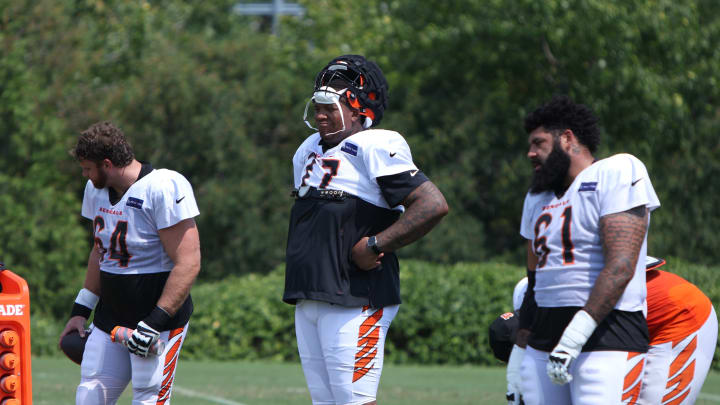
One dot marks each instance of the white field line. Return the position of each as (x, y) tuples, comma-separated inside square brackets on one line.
[(709, 397), (197, 394)]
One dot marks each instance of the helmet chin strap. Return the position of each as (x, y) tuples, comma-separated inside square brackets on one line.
[(328, 95)]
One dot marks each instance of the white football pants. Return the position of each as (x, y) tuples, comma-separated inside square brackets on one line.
[(108, 367), (601, 377), (341, 350)]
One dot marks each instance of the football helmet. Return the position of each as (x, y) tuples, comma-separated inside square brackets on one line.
[(652, 263), (365, 87)]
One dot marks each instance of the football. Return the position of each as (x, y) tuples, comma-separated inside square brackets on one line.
[(73, 345)]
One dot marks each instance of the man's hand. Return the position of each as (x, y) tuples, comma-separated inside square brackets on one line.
[(142, 338), (363, 257), (557, 367), (514, 381), (571, 342), (76, 323)]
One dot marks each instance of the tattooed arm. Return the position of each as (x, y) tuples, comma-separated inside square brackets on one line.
[(622, 235), (424, 208)]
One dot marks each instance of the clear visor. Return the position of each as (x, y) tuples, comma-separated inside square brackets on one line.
[(328, 95), (325, 95)]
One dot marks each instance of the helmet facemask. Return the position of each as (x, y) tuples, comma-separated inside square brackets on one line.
[(326, 95)]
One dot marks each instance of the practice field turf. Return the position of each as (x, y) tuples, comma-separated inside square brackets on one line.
[(241, 383)]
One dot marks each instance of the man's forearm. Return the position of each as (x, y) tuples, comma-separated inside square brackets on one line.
[(92, 276), (177, 287), (522, 337), (608, 288), (425, 207)]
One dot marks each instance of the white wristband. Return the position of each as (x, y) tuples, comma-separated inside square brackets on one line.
[(87, 298), (577, 333)]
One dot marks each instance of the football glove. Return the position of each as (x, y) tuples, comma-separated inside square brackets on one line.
[(576, 334), (142, 338), (514, 395)]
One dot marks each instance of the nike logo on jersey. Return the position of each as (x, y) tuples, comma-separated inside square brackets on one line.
[(636, 181), (413, 173), (392, 154), (178, 201)]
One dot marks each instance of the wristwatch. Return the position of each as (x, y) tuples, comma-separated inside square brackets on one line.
[(372, 244)]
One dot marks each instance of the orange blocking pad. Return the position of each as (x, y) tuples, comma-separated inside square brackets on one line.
[(15, 371)]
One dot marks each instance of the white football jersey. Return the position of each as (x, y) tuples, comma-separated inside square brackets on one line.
[(566, 235), (353, 164), (127, 232)]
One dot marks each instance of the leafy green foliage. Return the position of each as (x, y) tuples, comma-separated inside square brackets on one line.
[(45, 335), (41, 237), (447, 309), (242, 318), (213, 95), (443, 319)]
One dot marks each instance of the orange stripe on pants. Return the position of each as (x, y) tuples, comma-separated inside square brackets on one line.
[(169, 369), (368, 337), (633, 381)]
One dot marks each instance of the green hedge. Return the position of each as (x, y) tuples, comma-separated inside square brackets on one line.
[(443, 320), (44, 334), (242, 318), (446, 311)]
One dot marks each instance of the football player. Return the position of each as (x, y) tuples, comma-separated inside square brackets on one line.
[(502, 334), (144, 260), (502, 331), (683, 329), (586, 222), (359, 198)]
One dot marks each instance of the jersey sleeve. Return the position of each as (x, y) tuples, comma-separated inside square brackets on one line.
[(526, 227), (173, 200), (297, 167), (387, 154), (626, 185), (88, 209), (519, 293), (396, 187)]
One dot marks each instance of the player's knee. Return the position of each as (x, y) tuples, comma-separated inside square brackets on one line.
[(145, 396), (92, 393)]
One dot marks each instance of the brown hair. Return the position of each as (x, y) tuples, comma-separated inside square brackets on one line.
[(104, 140)]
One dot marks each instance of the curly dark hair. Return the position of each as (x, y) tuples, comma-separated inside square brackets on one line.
[(104, 140), (561, 113)]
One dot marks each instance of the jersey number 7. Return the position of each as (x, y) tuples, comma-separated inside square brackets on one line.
[(327, 163)]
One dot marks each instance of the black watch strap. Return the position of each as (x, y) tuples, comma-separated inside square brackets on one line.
[(372, 244)]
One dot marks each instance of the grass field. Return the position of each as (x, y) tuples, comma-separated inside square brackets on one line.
[(241, 383)]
